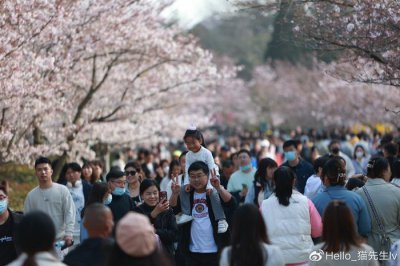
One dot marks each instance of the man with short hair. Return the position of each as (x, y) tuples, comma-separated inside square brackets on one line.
[(94, 251), (53, 199), (334, 149), (200, 240), (149, 166), (228, 168), (302, 168), (242, 179), (8, 223), (121, 202)]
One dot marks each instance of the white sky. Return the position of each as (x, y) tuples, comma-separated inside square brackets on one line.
[(191, 12)]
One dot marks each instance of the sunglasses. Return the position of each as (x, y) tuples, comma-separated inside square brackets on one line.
[(130, 173)]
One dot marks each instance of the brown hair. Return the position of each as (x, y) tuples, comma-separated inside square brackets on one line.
[(248, 233), (335, 170), (339, 231), (92, 178), (4, 186)]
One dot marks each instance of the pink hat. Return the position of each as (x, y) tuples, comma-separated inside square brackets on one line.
[(135, 235)]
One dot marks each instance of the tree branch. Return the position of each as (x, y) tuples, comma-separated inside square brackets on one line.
[(30, 38), (94, 88), (3, 116)]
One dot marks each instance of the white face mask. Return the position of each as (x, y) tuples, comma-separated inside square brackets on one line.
[(359, 154), (108, 200), (3, 206), (166, 170)]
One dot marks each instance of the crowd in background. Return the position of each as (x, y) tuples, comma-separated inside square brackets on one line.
[(249, 199)]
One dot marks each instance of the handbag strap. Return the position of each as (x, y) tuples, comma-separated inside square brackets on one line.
[(371, 204)]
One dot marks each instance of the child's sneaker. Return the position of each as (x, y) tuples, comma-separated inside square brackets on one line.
[(183, 218), (222, 226)]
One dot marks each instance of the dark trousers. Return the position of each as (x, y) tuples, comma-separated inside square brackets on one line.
[(201, 259)]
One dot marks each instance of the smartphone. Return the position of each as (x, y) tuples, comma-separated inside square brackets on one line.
[(62, 245), (162, 196)]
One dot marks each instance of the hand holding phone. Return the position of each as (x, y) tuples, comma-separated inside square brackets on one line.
[(163, 196), (162, 205)]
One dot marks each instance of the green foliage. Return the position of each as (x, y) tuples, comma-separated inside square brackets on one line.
[(243, 37), (286, 46), (21, 180), (251, 38), (283, 44)]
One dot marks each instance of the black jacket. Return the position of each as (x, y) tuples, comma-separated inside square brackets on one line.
[(86, 187), (11, 250), (16, 217), (165, 225), (221, 240), (121, 205), (91, 252)]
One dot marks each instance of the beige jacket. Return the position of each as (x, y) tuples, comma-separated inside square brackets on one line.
[(41, 258)]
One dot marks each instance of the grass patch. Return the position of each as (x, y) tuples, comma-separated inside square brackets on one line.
[(21, 179)]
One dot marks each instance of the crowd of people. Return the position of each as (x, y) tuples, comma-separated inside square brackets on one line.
[(295, 199)]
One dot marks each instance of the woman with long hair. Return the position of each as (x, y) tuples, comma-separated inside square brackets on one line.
[(360, 159), (250, 243), (340, 236), (88, 172), (132, 172), (383, 201), (100, 193), (263, 185), (291, 218), (334, 178), (35, 236)]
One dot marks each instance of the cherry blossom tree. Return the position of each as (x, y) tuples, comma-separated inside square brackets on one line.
[(366, 31), (364, 36), (296, 95), (77, 73)]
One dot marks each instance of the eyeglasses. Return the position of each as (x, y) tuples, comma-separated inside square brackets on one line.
[(119, 182), (196, 177), (130, 173)]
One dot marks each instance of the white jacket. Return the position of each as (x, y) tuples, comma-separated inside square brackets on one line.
[(41, 258), (289, 227)]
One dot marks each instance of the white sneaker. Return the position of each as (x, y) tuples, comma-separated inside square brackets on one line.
[(183, 218), (222, 226)]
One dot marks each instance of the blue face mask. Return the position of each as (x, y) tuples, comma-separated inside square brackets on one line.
[(245, 168), (118, 191), (3, 206), (290, 155), (108, 200)]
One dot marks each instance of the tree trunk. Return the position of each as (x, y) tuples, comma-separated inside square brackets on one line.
[(58, 164), (283, 45)]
